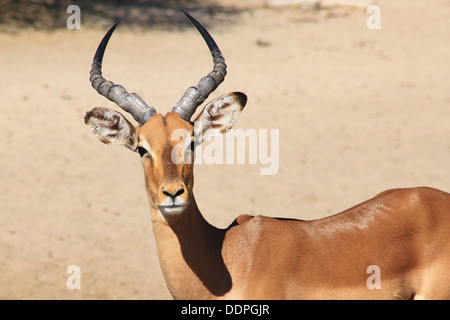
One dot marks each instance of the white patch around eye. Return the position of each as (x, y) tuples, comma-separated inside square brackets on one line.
[(144, 144)]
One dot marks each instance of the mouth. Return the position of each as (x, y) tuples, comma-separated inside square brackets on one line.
[(171, 210)]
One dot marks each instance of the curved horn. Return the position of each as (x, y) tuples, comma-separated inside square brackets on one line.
[(194, 96), (130, 102)]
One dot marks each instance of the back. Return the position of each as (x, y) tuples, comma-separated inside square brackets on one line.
[(403, 234)]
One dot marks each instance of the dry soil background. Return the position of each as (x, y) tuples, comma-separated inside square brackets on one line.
[(358, 111)]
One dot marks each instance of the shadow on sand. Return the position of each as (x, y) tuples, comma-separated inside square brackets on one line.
[(137, 14)]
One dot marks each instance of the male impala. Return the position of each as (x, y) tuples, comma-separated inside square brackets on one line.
[(403, 235)]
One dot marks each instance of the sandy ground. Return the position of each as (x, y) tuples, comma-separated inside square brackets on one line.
[(358, 111)]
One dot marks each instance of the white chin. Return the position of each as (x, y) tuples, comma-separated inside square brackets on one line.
[(168, 211)]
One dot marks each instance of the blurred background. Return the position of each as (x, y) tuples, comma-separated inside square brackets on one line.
[(358, 111), (140, 14)]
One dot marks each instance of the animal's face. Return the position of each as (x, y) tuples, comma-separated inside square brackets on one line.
[(166, 145)]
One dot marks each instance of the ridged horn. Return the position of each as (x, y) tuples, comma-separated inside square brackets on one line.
[(129, 102), (194, 96)]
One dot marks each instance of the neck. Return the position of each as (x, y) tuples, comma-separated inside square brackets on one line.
[(190, 255)]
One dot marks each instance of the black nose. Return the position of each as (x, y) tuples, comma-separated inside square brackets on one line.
[(173, 195)]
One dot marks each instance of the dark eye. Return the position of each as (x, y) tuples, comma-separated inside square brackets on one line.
[(141, 151)]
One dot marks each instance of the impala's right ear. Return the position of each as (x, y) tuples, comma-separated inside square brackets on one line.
[(111, 127)]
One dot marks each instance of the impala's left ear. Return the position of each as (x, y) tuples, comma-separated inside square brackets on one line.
[(219, 115), (111, 127)]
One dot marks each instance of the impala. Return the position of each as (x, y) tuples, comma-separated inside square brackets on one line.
[(403, 234)]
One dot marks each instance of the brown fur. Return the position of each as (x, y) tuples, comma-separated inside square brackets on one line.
[(405, 232)]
